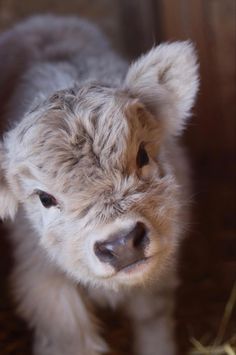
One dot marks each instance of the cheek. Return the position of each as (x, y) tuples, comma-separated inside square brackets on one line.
[(69, 253), (52, 242), (41, 218), (63, 245), (49, 216), (35, 216)]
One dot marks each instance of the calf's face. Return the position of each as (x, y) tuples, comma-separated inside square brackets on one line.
[(90, 166)]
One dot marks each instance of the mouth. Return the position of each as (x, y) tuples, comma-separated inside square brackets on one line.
[(137, 266)]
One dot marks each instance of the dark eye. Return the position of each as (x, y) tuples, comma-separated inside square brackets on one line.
[(142, 157), (46, 199)]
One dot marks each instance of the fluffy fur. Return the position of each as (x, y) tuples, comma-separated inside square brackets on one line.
[(77, 116)]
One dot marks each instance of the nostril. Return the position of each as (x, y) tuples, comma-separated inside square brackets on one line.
[(104, 252), (122, 249), (140, 239)]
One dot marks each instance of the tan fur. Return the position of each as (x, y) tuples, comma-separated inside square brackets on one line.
[(78, 127)]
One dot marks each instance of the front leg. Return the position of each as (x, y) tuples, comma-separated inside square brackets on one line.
[(55, 309), (153, 323)]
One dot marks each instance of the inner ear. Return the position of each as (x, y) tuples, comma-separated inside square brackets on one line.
[(137, 112), (166, 81)]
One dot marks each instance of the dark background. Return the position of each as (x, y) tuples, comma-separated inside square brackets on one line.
[(208, 260)]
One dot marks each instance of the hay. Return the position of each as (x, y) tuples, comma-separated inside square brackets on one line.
[(219, 347)]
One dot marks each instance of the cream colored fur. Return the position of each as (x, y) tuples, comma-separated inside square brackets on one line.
[(77, 116)]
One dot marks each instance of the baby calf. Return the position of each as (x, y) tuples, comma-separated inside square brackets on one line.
[(94, 181)]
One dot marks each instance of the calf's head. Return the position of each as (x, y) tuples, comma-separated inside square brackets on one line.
[(91, 167)]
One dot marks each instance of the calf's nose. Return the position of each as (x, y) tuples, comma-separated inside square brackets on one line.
[(123, 249)]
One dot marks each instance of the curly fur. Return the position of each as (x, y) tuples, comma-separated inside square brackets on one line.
[(77, 115)]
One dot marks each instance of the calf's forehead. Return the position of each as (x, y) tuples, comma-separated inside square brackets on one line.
[(76, 134), (83, 135)]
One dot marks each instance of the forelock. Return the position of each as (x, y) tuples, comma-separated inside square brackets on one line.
[(77, 130)]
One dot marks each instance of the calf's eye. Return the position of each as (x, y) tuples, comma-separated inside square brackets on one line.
[(46, 199), (142, 157)]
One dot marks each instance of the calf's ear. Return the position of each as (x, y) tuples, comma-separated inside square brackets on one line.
[(8, 202), (166, 81)]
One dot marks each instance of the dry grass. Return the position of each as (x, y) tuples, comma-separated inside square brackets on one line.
[(219, 346)]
